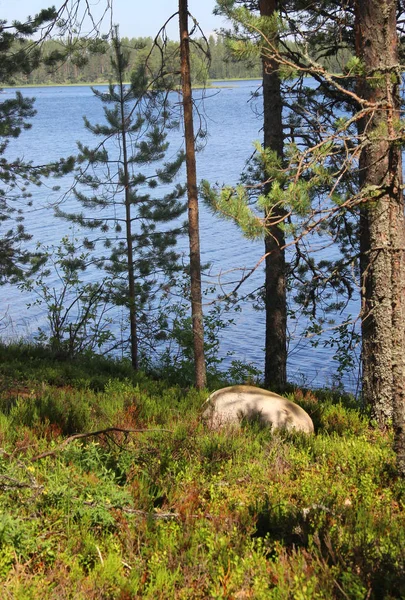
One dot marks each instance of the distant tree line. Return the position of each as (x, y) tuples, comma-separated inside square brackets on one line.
[(90, 61)]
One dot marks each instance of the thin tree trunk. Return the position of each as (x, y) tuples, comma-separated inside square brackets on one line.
[(193, 216), (128, 225), (275, 371), (382, 221)]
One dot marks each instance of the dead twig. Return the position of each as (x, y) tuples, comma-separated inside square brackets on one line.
[(135, 511), (79, 436), (9, 483)]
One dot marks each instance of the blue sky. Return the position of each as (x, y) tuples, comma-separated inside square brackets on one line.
[(135, 17)]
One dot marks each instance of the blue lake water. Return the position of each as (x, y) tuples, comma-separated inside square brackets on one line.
[(233, 123)]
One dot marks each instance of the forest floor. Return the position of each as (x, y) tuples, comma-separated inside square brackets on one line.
[(112, 487)]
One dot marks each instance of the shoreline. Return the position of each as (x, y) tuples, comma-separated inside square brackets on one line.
[(211, 84)]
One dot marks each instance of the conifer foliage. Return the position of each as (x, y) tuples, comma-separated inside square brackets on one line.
[(18, 55), (21, 52), (138, 231)]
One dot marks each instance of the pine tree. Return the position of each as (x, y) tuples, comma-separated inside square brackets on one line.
[(17, 55), (382, 231), (193, 206), (295, 111), (347, 161), (135, 228), (275, 287), (20, 54)]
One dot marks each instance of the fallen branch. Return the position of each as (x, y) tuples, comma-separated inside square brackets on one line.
[(9, 483), (135, 511), (79, 436), (168, 515)]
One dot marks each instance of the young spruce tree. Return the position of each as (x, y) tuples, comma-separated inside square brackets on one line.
[(140, 256)]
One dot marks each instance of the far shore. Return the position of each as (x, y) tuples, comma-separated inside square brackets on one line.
[(212, 83)]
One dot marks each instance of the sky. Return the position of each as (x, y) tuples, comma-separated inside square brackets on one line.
[(136, 18)]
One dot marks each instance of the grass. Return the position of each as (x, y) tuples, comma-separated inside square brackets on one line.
[(175, 511)]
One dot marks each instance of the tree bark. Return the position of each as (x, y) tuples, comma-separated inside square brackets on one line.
[(382, 226), (193, 212), (275, 370)]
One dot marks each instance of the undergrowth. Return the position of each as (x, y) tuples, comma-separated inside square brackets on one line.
[(172, 510)]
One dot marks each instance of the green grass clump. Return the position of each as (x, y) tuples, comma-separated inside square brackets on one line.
[(172, 510)]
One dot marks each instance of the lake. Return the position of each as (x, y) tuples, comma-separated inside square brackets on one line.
[(233, 123)]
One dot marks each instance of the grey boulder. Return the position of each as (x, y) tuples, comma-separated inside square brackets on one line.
[(228, 406)]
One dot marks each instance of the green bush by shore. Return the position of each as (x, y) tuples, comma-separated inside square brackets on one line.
[(159, 507)]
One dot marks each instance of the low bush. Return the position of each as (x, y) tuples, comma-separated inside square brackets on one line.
[(171, 510)]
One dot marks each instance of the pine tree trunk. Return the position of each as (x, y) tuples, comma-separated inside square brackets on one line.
[(128, 227), (193, 214), (382, 227), (275, 371)]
